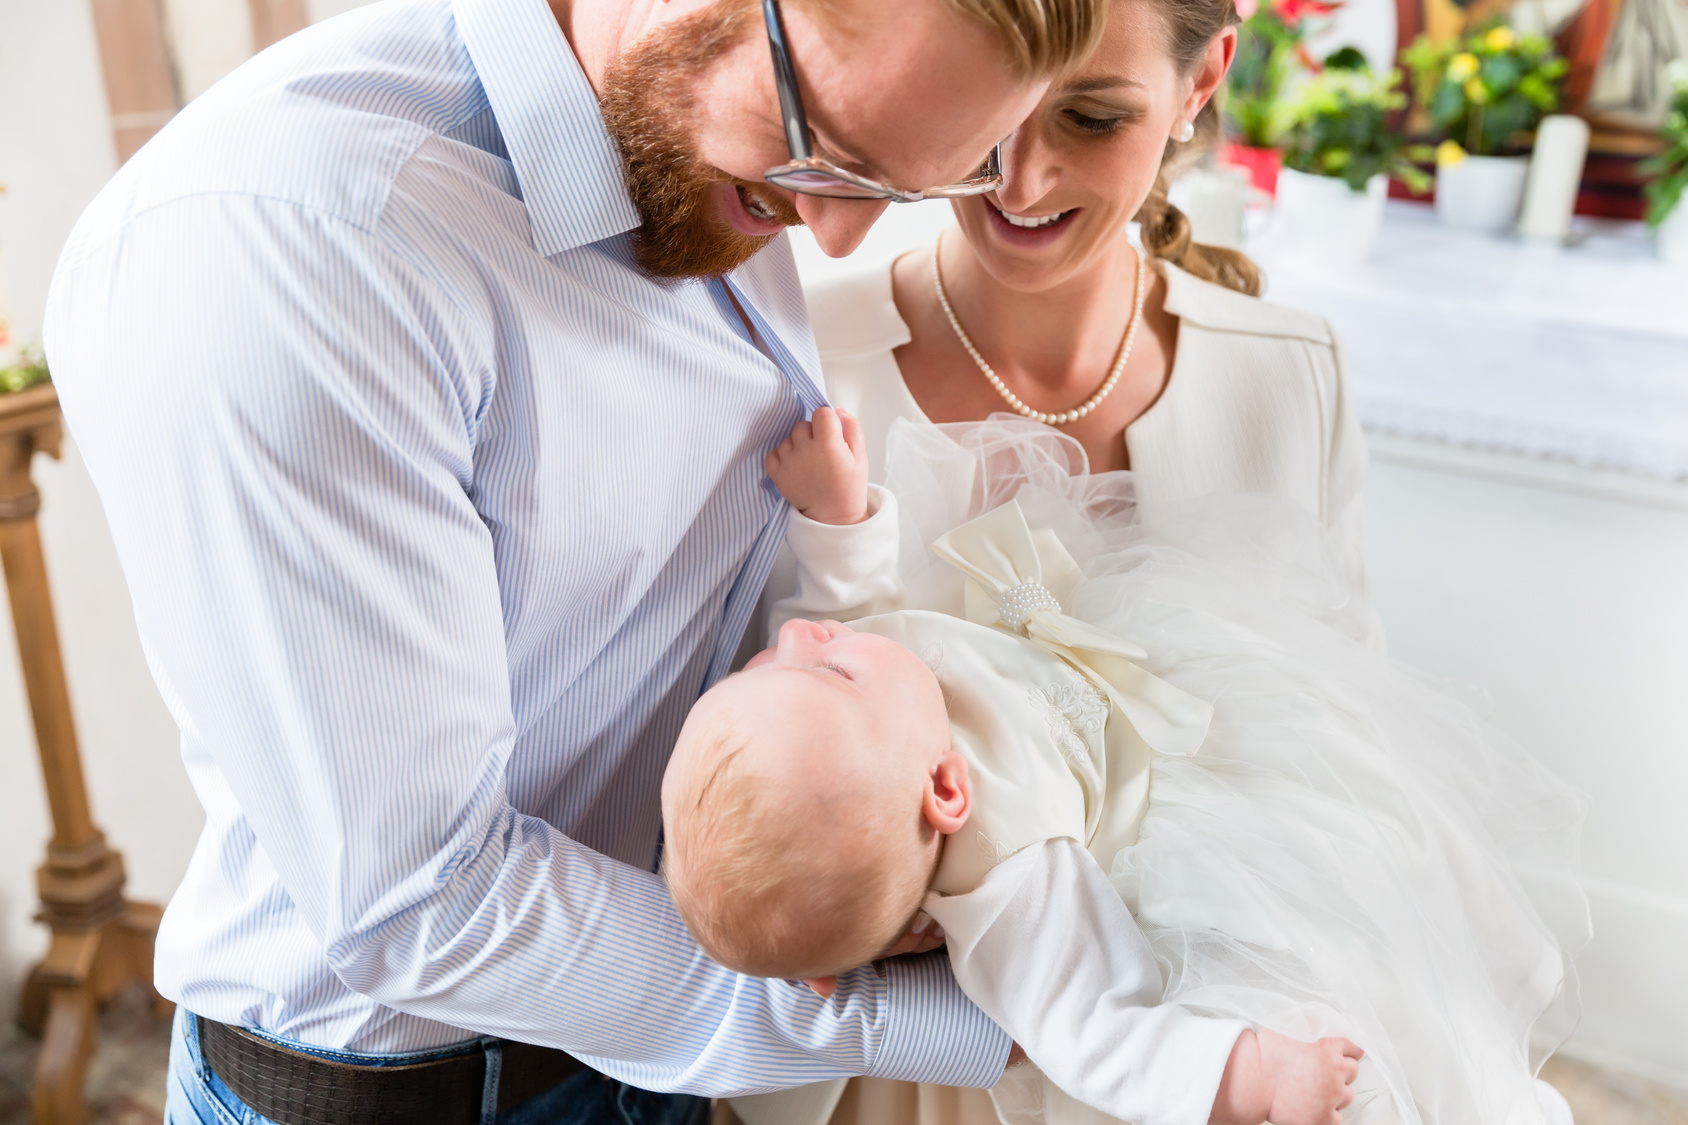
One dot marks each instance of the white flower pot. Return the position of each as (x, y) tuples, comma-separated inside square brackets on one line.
[(1320, 220), (1481, 192), (1673, 234)]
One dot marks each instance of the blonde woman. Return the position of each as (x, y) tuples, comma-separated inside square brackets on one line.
[(1043, 304), (1156, 355)]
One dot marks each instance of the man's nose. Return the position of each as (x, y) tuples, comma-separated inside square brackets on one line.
[(839, 225)]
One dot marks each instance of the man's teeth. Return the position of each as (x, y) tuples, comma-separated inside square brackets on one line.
[(755, 206), (1030, 221)]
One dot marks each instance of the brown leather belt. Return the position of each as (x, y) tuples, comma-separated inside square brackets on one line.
[(295, 1088)]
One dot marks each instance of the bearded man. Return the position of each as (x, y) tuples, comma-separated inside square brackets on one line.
[(426, 367)]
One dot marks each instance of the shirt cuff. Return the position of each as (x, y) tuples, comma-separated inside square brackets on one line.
[(933, 1033)]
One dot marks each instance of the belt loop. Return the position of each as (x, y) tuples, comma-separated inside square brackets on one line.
[(494, 1049), (191, 1029)]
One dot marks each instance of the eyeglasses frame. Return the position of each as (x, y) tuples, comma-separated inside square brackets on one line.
[(805, 162)]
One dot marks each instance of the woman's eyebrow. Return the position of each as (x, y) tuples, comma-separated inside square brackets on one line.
[(1102, 82)]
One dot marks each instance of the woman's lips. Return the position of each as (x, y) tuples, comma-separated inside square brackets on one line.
[(1027, 236), (747, 214)]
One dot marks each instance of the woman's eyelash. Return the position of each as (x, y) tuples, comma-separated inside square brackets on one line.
[(840, 671), (1098, 125)]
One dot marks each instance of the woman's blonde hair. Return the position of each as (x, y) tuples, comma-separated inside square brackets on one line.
[(1190, 27), (1043, 37)]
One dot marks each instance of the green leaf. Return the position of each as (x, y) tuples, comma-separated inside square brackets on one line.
[(29, 372)]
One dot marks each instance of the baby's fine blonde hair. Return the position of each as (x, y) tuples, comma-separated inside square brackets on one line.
[(774, 882)]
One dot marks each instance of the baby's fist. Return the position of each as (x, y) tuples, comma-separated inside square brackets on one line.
[(822, 468), (1273, 1078)]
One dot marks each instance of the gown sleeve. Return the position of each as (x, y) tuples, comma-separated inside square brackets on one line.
[(1046, 948), (843, 572)]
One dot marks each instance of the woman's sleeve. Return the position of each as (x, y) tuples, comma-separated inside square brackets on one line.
[(843, 572), (1345, 466)]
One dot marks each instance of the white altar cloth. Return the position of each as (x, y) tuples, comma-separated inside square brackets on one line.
[(1577, 353)]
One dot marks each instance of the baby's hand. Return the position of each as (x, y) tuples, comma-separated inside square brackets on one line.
[(1271, 1077), (822, 468)]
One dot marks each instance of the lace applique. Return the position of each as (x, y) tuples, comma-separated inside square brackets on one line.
[(996, 852), (933, 658), (1071, 711)]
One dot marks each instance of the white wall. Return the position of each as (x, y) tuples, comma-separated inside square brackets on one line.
[(55, 152), (208, 38), (322, 9), (1563, 593)]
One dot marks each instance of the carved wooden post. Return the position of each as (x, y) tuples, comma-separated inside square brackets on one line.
[(101, 941)]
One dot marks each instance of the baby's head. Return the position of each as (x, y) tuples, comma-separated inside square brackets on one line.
[(806, 802)]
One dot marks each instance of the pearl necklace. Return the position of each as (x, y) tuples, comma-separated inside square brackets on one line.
[(1060, 418)]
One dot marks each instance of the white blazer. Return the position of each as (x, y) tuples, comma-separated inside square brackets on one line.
[(1258, 401)]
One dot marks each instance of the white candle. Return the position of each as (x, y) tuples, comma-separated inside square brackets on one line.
[(1556, 166)]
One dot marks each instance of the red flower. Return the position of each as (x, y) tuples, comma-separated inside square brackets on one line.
[(1292, 12)]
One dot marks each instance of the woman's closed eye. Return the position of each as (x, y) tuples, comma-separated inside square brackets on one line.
[(838, 669), (1100, 126)]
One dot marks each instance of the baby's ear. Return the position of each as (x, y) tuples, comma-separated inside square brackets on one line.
[(949, 796)]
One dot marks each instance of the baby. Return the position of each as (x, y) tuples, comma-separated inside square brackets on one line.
[(818, 799)]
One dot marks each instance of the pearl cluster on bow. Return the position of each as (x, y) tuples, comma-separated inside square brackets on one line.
[(1023, 602)]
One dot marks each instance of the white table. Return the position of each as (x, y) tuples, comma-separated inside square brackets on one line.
[(1576, 353)]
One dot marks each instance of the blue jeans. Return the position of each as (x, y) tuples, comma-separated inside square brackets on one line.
[(196, 1096)]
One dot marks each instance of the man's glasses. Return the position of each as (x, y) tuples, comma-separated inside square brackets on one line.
[(809, 174)]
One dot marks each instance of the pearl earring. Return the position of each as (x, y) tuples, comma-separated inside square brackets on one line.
[(1186, 131)]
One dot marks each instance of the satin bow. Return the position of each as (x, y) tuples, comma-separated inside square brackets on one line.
[(1016, 579)]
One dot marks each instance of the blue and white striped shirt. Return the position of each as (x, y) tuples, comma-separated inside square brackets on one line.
[(437, 516)]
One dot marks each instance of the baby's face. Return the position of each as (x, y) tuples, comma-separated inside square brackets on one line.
[(826, 661), (843, 740), (829, 691)]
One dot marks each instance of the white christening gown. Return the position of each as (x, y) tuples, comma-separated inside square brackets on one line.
[(1351, 851)]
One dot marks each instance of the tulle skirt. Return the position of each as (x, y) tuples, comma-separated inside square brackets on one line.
[(1354, 851)]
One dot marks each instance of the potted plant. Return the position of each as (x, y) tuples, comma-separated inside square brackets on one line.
[(1666, 212), (1269, 52), (1339, 153), (27, 371), (1484, 96)]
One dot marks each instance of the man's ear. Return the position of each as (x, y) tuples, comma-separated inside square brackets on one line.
[(949, 796)]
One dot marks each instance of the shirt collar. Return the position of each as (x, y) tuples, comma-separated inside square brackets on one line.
[(567, 164)]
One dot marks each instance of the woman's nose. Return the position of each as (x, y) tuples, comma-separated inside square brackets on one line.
[(1029, 171)]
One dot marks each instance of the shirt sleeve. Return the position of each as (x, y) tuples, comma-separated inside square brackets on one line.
[(286, 453), (1045, 945), (1346, 461), (843, 571)]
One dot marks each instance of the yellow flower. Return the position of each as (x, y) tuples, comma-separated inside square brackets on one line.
[(1476, 92), (1462, 66), (1500, 39), (1448, 153)]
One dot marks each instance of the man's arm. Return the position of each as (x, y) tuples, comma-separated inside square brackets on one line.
[(280, 413)]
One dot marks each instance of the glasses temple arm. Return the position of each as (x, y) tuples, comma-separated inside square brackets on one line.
[(785, 79)]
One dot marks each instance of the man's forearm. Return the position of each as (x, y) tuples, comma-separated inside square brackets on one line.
[(573, 950)]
